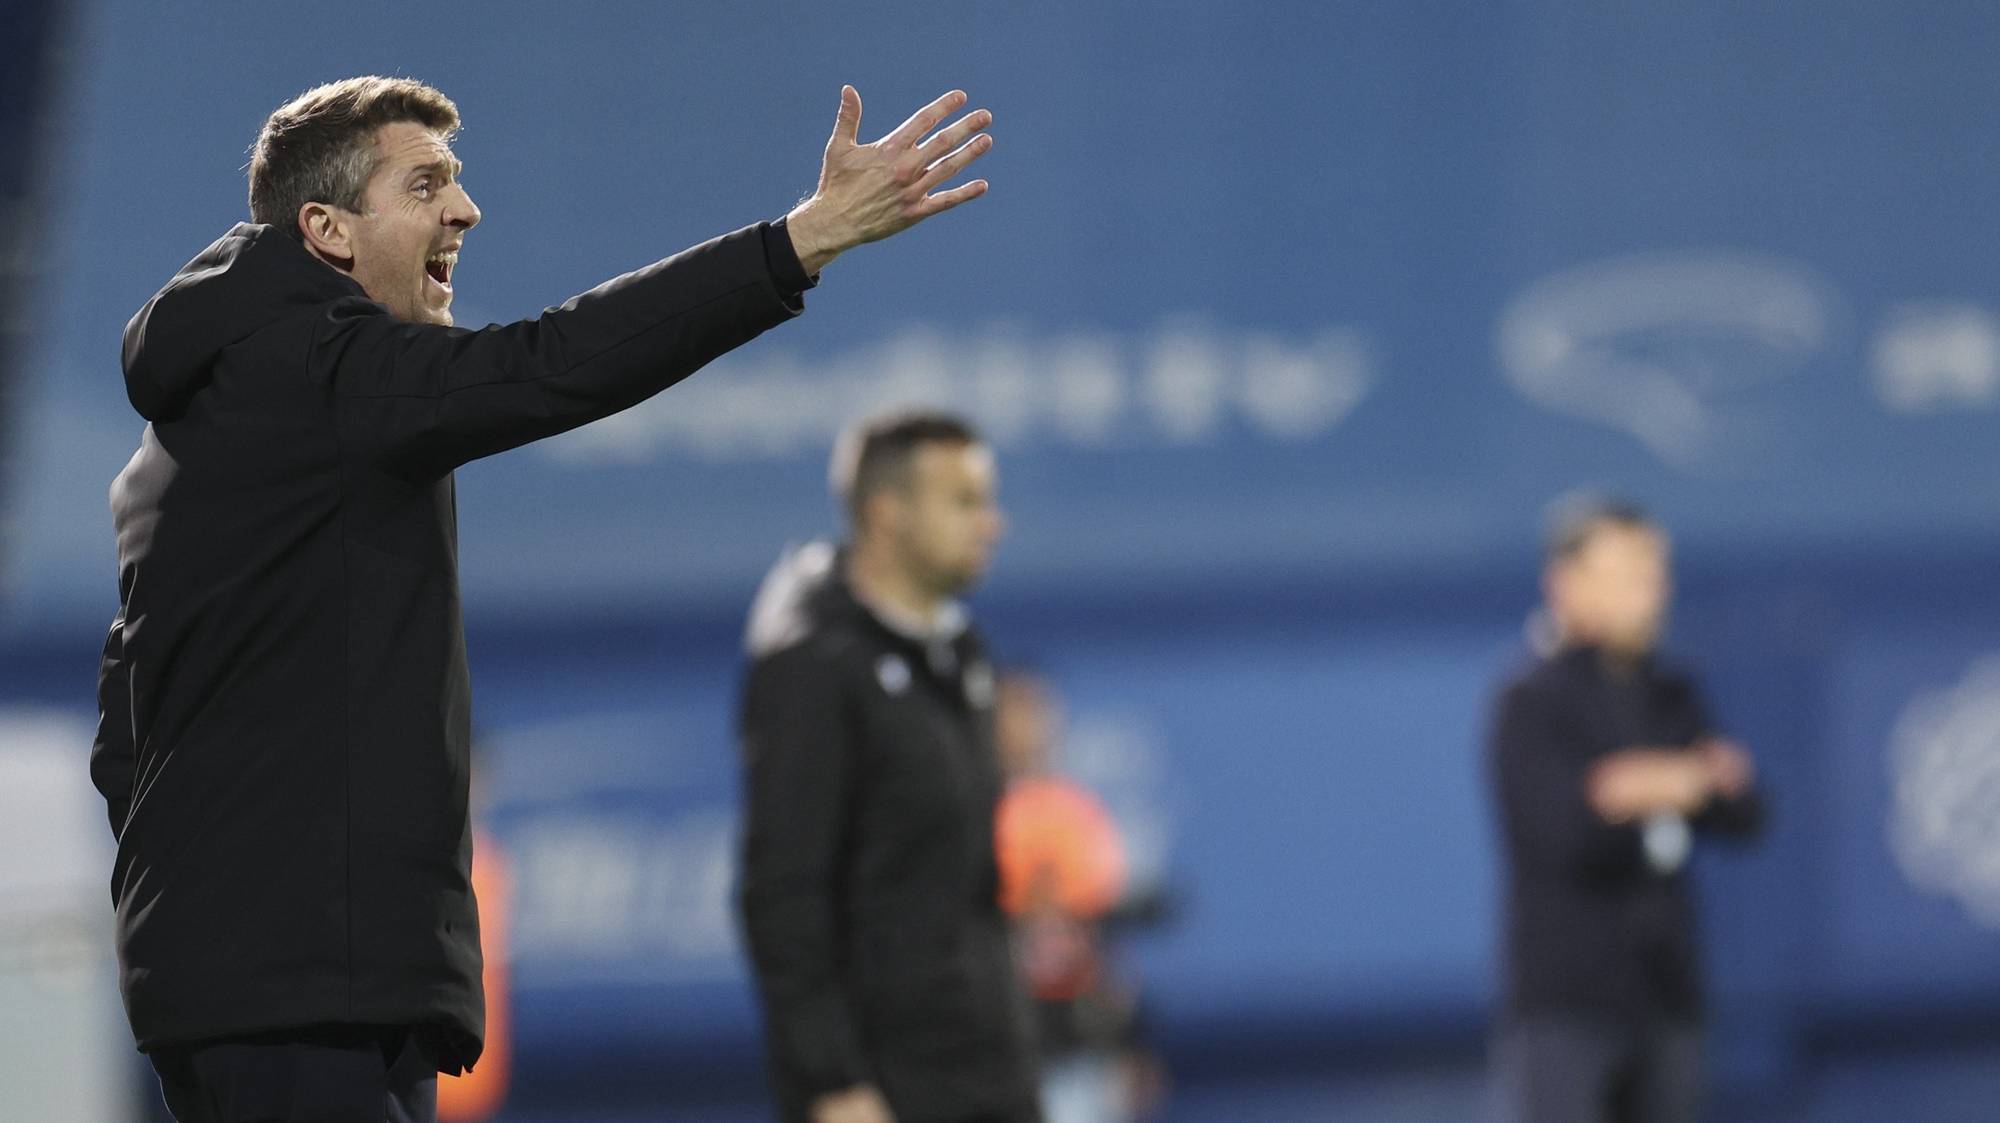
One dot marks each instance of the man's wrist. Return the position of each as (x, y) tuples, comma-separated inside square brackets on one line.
[(812, 244)]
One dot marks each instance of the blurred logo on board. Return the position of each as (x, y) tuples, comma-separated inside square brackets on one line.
[(1944, 771)]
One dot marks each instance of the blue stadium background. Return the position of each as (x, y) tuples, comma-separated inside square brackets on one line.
[(1287, 320)]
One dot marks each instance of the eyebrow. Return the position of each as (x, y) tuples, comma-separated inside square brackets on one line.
[(452, 168)]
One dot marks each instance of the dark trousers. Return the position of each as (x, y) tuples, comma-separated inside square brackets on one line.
[(323, 1074), (1577, 1070)]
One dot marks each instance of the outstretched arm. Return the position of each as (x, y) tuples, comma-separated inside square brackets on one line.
[(424, 399)]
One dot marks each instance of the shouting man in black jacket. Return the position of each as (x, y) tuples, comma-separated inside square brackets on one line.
[(870, 889), (284, 692), (1607, 766)]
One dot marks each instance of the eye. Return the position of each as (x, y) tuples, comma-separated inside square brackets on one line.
[(423, 188)]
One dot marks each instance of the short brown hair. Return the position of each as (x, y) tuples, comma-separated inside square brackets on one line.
[(1575, 519), (875, 455), (319, 147)]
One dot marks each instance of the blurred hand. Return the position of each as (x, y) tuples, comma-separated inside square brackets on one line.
[(1146, 1082), (1058, 954), (1730, 770), (1638, 783), (869, 191), (859, 1104)]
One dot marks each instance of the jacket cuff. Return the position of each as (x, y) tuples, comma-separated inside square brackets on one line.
[(783, 261)]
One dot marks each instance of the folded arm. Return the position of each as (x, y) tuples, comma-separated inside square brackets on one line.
[(1545, 808)]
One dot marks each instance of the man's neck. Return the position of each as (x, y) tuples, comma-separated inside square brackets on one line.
[(879, 583), (1621, 663), (1618, 660)]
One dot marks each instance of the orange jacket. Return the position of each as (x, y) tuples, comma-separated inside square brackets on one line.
[(1057, 847)]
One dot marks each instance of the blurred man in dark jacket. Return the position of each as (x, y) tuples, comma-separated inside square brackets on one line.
[(870, 888), (284, 694), (1607, 765)]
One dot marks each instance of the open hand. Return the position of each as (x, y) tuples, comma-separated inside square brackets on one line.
[(1730, 770), (869, 191)]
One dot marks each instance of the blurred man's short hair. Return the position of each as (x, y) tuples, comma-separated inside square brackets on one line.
[(1574, 519), (875, 455)]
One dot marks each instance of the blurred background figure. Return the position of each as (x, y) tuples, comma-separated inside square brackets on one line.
[(870, 895), (1606, 765), (1063, 878), (477, 1096), (472, 1097)]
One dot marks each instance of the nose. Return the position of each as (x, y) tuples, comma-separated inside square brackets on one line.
[(459, 209)]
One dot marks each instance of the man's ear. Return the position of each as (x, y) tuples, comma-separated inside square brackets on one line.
[(885, 510), (327, 234), (1552, 584)]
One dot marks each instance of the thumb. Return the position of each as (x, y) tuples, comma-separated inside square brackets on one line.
[(847, 124)]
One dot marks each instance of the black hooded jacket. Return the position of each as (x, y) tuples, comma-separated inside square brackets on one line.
[(870, 890), (284, 697)]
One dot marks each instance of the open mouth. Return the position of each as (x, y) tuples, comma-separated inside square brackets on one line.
[(439, 267)]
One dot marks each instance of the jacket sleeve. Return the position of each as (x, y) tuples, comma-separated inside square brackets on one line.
[(113, 765), (423, 399), (799, 750), (1741, 818), (1545, 811)]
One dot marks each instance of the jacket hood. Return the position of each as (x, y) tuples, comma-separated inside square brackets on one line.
[(793, 598), (245, 280), (807, 592)]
